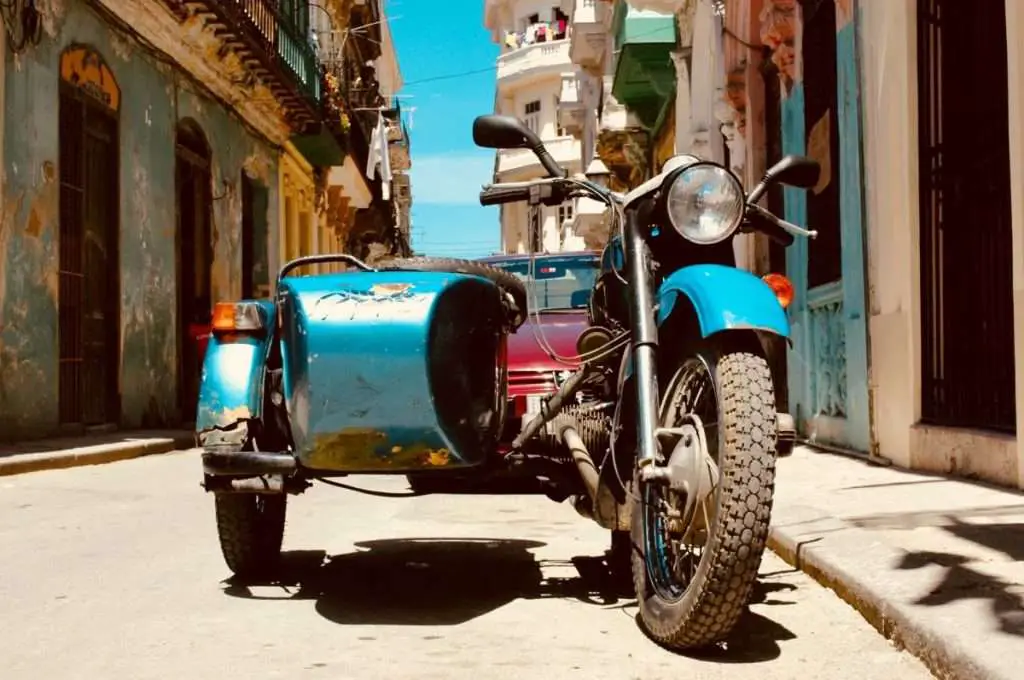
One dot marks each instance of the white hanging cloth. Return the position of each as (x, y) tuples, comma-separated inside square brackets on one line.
[(379, 156)]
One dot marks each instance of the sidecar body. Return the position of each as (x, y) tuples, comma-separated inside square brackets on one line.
[(355, 372)]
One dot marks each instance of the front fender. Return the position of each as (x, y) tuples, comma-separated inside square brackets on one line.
[(723, 298), (231, 387)]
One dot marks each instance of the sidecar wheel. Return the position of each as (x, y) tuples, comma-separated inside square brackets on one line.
[(692, 601), (505, 281), (251, 529)]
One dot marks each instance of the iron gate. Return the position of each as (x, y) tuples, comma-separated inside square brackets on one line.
[(966, 266), (89, 291)]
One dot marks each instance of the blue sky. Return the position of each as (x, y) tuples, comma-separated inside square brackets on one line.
[(436, 39)]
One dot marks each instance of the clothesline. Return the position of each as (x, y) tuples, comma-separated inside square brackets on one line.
[(537, 33)]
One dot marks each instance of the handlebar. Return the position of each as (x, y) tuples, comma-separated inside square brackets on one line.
[(495, 194), (550, 191), (775, 227)]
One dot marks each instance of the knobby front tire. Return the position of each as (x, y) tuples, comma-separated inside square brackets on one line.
[(720, 588)]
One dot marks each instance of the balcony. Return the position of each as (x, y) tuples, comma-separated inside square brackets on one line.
[(532, 62), (520, 164), (571, 111), (589, 35), (272, 46), (645, 77)]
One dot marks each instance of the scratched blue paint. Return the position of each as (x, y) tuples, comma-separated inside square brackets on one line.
[(829, 324), (356, 361), (231, 387), (723, 298)]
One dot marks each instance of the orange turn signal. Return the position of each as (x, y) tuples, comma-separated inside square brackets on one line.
[(781, 286), (229, 317)]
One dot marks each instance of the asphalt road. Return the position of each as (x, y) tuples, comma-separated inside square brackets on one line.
[(114, 571)]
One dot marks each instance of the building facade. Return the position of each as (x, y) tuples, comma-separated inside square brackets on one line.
[(533, 66), (158, 156), (907, 316)]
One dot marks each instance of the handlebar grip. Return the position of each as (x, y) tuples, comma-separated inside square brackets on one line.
[(496, 195)]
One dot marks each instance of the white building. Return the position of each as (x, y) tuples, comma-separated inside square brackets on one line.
[(534, 74)]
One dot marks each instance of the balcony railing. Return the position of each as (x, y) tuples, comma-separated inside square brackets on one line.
[(270, 43)]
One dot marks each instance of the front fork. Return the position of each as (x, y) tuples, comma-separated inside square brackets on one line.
[(644, 340)]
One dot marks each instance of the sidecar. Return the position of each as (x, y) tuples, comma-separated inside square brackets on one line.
[(371, 372)]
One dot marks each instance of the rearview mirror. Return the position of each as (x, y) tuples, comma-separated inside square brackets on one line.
[(794, 171), (503, 132)]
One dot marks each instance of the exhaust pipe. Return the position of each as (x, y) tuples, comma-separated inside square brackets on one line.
[(584, 463), (604, 509)]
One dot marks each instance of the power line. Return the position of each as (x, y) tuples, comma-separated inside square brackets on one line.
[(450, 76)]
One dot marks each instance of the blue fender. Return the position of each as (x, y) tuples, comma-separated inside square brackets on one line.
[(231, 387), (723, 298)]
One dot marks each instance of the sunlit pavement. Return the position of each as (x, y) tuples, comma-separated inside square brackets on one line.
[(114, 571)]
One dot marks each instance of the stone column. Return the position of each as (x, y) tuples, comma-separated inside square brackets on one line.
[(684, 135), (705, 74)]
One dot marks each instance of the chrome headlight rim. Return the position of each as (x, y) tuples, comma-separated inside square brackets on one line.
[(730, 177)]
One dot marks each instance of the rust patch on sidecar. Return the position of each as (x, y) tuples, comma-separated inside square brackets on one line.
[(366, 449), (438, 458), (389, 288)]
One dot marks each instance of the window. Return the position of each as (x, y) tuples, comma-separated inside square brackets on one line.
[(532, 116), (564, 213), (558, 281), (531, 20), (558, 118)]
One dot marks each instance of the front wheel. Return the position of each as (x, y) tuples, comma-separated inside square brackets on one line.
[(696, 563)]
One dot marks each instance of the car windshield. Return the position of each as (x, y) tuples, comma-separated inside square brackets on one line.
[(558, 282)]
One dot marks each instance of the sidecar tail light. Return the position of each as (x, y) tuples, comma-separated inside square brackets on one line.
[(781, 286), (231, 317)]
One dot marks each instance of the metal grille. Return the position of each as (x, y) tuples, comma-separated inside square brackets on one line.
[(89, 295), (966, 266)]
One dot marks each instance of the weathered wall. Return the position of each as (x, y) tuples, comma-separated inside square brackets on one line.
[(153, 98)]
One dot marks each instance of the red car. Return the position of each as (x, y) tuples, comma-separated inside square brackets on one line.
[(559, 290)]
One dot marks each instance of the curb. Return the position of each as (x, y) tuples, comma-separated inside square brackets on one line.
[(940, 654), (91, 455)]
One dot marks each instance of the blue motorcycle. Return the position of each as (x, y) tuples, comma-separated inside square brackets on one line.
[(666, 434)]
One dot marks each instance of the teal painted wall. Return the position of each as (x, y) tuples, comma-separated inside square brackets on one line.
[(829, 322), (851, 202), (153, 98), (794, 141)]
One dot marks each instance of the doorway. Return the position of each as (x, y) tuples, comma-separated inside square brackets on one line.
[(828, 365), (193, 182), (967, 347), (89, 296)]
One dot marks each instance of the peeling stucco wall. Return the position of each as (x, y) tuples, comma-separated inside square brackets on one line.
[(153, 99)]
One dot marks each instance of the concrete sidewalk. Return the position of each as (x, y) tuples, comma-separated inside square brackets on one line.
[(935, 564), (90, 449)]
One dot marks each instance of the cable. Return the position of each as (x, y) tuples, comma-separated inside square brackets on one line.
[(450, 76), (369, 492)]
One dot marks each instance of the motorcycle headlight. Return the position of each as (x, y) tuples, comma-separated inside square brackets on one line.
[(705, 203)]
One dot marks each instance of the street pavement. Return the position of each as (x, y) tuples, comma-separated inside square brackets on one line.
[(113, 571)]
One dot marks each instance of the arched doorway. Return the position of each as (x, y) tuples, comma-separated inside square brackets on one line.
[(89, 296), (193, 184)]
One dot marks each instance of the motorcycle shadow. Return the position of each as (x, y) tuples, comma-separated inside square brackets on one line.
[(446, 582), (429, 581)]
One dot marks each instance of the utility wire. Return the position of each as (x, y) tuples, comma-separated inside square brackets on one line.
[(450, 76)]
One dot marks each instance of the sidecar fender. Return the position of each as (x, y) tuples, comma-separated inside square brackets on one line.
[(231, 386), (723, 298)]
